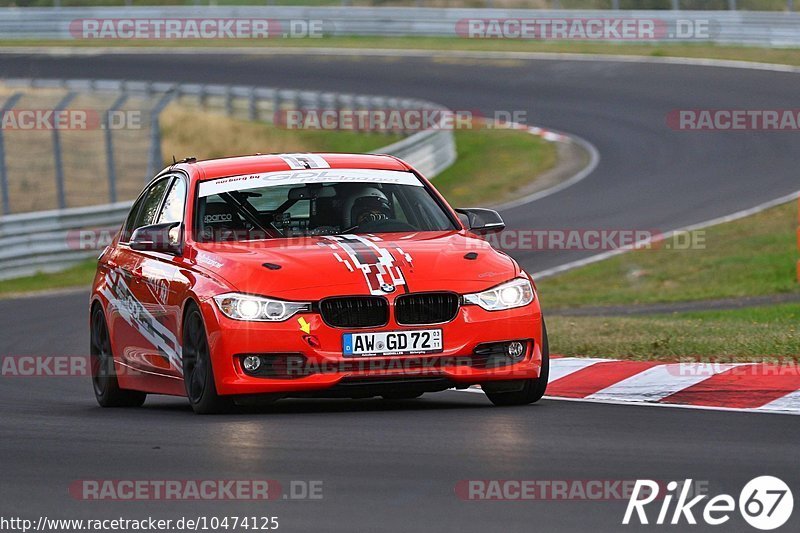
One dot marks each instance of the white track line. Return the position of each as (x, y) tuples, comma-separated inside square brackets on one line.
[(700, 225), (649, 386), (395, 52), (775, 409), (594, 160), (676, 406)]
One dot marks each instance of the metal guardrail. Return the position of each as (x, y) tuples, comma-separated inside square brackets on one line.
[(765, 28), (752, 5), (51, 240)]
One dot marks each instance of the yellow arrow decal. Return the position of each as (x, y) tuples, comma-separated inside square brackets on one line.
[(305, 326)]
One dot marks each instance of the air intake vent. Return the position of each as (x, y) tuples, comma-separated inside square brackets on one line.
[(355, 312), (426, 308)]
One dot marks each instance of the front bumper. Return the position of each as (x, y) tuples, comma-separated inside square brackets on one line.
[(318, 366)]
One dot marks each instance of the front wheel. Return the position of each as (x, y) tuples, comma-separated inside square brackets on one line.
[(104, 376), (198, 375), (532, 389)]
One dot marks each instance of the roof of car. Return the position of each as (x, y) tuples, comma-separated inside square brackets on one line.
[(251, 164)]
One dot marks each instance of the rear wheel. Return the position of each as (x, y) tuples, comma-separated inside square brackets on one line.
[(104, 376), (198, 375), (532, 389)]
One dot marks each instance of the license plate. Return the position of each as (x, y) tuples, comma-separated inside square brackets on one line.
[(419, 341)]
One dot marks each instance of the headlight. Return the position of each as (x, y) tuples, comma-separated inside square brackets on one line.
[(258, 309), (515, 293)]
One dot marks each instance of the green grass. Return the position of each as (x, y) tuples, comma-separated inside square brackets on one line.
[(77, 276), (492, 165), (516, 157), (753, 256), (788, 56), (754, 334), (210, 135)]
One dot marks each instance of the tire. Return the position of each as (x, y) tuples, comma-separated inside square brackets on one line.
[(533, 389), (104, 376), (198, 374), (402, 396)]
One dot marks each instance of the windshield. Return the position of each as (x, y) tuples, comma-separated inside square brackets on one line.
[(314, 203)]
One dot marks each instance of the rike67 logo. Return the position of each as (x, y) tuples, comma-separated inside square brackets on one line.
[(765, 503)]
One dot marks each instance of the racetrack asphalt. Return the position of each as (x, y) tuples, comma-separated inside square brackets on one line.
[(394, 466)]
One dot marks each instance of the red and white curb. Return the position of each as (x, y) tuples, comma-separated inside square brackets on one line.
[(547, 135), (757, 387)]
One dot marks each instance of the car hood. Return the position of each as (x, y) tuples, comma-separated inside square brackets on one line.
[(311, 268)]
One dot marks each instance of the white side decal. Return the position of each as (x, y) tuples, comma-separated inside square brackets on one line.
[(136, 314)]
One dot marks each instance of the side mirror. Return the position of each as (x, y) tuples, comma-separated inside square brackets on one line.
[(164, 238), (483, 221)]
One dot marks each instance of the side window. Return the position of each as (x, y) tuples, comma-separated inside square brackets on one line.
[(174, 204), (131, 220), (150, 203), (399, 212)]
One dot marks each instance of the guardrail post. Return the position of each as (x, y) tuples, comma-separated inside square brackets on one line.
[(111, 167), (229, 101), (57, 157), (155, 160), (297, 103), (252, 105), (337, 108), (732, 5), (615, 5), (4, 191), (276, 106), (676, 5), (203, 96), (790, 5)]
